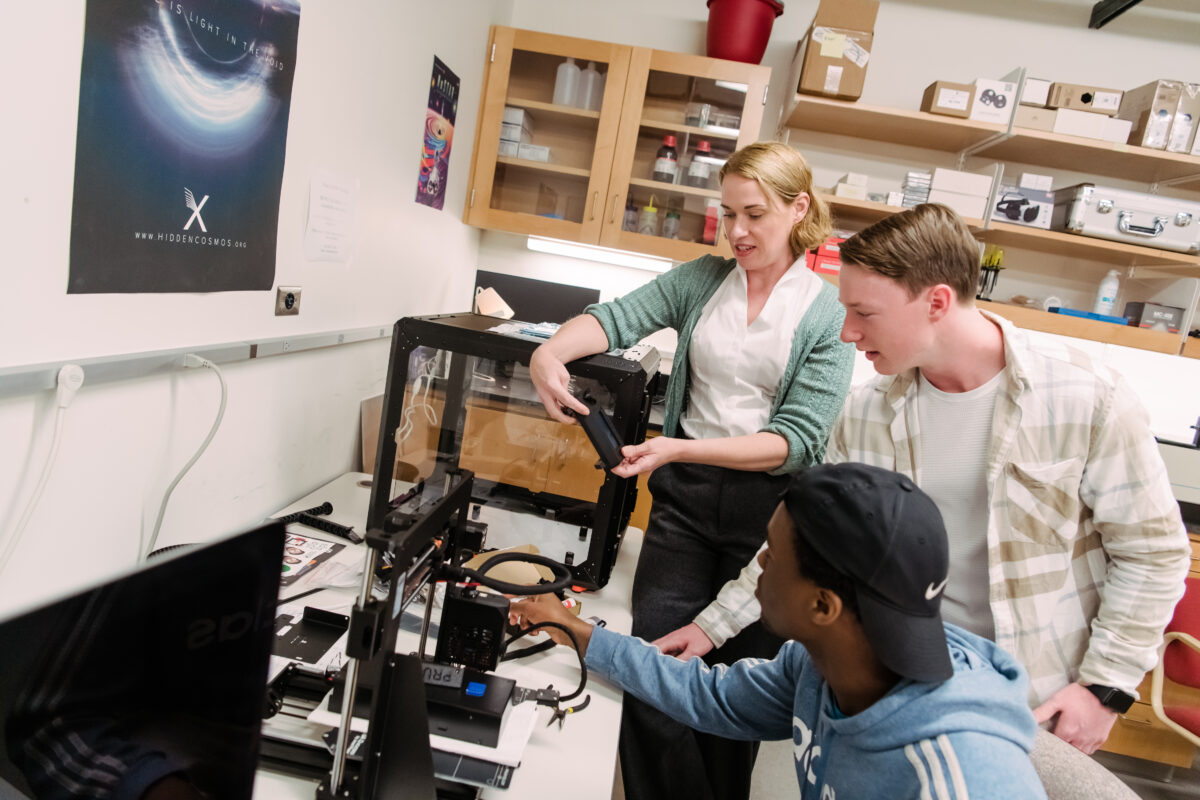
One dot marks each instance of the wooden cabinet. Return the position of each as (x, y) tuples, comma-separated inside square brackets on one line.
[(1037, 148), (598, 162)]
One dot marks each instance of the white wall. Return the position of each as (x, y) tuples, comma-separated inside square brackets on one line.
[(359, 98)]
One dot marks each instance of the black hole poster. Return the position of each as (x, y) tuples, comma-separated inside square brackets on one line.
[(183, 115)]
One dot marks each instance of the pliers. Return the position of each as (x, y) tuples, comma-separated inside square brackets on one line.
[(561, 713)]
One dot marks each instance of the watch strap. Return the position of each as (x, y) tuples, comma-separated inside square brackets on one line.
[(1109, 697)]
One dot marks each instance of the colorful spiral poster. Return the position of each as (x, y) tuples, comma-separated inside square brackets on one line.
[(439, 135), (183, 116)]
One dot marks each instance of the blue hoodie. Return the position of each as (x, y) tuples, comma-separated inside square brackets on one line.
[(968, 736)]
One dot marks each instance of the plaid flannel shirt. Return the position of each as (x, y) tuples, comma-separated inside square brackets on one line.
[(1086, 549)]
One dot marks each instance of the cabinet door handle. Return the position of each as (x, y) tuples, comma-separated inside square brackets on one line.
[(595, 202), (613, 219)]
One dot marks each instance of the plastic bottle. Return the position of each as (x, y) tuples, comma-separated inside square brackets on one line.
[(566, 83), (629, 223), (666, 162), (590, 92), (712, 218), (699, 170), (1106, 297), (648, 219), (671, 224)]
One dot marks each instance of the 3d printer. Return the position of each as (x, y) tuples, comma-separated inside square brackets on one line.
[(459, 395)]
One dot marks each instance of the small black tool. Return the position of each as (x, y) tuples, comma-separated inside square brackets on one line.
[(598, 426), (560, 714)]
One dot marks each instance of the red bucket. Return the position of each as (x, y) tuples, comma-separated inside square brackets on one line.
[(738, 30)]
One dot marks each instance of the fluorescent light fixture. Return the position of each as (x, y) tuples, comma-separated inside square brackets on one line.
[(607, 255), (734, 87)]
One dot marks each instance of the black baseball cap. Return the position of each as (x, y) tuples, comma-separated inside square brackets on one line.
[(883, 533)]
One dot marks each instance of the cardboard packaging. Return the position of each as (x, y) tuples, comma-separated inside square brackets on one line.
[(1041, 119), (1033, 180), (1084, 98), (952, 180), (1021, 205), (850, 191), (1079, 123), (533, 152), (516, 126), (1187, 113), (1035, 92), (993, 101), (1151, 109), (834, 53), (965, 205), (827, 258), (1154, 316), (951, 99)]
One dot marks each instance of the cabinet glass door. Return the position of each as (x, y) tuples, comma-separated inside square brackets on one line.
[(545, 152), (684, 115)]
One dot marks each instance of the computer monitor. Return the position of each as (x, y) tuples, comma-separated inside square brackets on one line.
[(154, 681)]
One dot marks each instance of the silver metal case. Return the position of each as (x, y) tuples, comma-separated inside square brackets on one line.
[(1131, 217)]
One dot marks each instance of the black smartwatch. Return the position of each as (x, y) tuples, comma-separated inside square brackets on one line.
[(1111, 698)]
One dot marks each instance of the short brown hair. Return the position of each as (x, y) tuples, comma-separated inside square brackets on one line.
[(919, 248), (784, 174)]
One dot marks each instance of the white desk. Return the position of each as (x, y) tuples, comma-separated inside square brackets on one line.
[(578, 760)]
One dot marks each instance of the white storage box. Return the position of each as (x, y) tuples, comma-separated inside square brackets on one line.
[(1123, 216), (953, 180), (965, 205)]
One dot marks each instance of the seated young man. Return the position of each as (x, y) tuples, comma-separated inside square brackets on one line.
[(880, 699)]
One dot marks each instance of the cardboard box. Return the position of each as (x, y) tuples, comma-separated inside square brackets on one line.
[(993, 101), (1187, 113), (508, 148), (1041, 119), (1079, 123), (951, 99), (1154, 316), (1117, 130), (850, 191), (854, 179), (1151, 109), (952, 180), (965, 205), (834, 53), (516, 125), (1032, 180), (827, 258), (1021, 205), (1035, 92), (533, 152), (1084, 98)]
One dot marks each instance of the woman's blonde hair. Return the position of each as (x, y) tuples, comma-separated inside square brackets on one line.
[(784, 174)]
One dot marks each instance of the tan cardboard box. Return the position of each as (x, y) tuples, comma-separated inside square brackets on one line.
[(951, 99), (1041, 119), (1151, 109), (1084, 98), (1187, 113), (834, 53)]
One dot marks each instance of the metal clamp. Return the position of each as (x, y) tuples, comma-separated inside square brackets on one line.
[(1125, 225)]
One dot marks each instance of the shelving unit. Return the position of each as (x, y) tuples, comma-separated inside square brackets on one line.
[(1005, 143)]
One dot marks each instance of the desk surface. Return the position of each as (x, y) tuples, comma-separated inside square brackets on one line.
[(579, 759)]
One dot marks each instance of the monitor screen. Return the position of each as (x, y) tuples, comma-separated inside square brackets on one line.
[(150, 685), (538, 301)]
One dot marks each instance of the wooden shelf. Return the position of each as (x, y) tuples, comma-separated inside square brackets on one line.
[(543, 166), (869, 211), (1191, 348), (1081, 328), (710, 132), (551, 108), (674, 188), (1129, 162), (911, 128), (1089, 249)]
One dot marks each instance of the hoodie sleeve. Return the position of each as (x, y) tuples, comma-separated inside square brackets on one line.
[(971, 764), (750, 700)]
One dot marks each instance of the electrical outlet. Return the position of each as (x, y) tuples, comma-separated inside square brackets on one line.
[(287, 300)]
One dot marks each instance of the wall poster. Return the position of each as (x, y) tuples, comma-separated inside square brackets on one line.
[(183, 115), (439, 134)]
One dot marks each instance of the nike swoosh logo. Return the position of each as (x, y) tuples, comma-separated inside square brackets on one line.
[(932, 591)]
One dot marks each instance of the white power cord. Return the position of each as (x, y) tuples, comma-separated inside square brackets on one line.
[(70, 378), (419, 399), (190, 361)]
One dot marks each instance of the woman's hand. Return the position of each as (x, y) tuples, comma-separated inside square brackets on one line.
[(649, 455), (552, 382)]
